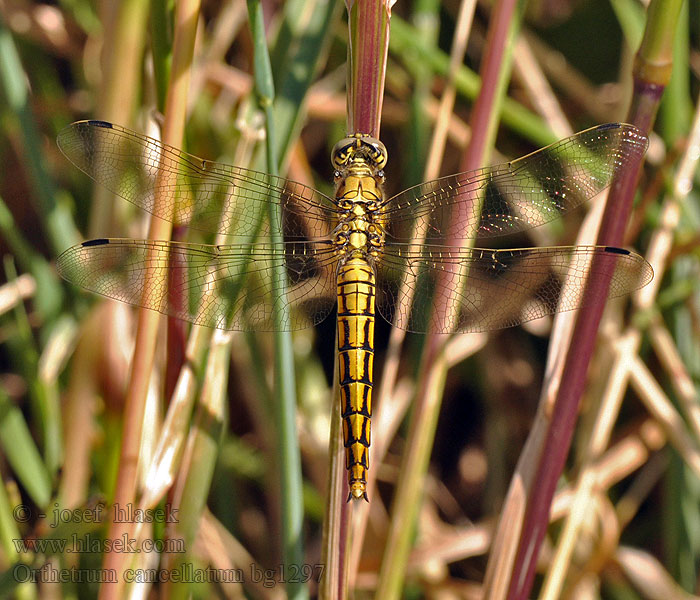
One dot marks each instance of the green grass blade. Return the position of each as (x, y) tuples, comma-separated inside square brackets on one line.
[(284, 379), (161, 45), (56, 219), (303, 39), (42, 393), (49, 293), (22, 454)]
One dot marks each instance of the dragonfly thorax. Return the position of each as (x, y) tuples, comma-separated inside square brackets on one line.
[(360, 229)]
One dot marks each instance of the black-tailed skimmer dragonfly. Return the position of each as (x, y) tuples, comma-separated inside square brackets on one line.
[(411, 254)]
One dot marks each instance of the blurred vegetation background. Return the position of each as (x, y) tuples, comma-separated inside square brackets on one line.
[(64, 355)]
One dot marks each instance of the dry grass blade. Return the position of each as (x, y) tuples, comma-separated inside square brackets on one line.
[(659, 405), (144, 353), (16, 291), (648, 575), (529, 73), (678, 375)]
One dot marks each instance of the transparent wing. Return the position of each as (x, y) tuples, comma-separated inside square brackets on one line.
[(518, 195), (227, 286), (208, 196), (448, 290)]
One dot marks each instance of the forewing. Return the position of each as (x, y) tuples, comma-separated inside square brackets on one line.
[(208, 196), (518, 195), (447, 290), (227, 286)]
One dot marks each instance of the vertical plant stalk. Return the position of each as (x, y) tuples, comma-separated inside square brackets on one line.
[(652, 71), (176, 332), (186, 17), (165, 463), (116, 101), (619, 376), (368, 43), (203, 445), (335, 525), (284, 382), (496, 68), (161, 44), (194, 469), (123, 55), (387, 388)]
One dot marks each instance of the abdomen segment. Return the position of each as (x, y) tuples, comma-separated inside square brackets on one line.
[(356, 292)]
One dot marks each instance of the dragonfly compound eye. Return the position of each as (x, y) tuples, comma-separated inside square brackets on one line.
[(376, 152), (362, 147), (342, 152)]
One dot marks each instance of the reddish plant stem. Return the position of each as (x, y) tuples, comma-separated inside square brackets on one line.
[(430, 386), (177, 328), (652, 70), (483, 120), (367, 53), (573, 381)]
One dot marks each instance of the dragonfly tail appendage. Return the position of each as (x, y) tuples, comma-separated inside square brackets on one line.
[(356, 295)]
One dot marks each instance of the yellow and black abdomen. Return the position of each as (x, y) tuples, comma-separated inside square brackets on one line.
[(356, 293)]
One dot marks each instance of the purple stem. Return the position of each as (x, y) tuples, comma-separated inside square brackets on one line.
[(368, 38), (566, 407)]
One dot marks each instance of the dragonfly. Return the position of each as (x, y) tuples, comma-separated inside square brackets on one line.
[(293, 253)]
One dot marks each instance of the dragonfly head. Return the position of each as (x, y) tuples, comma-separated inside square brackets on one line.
[(359, 149)]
